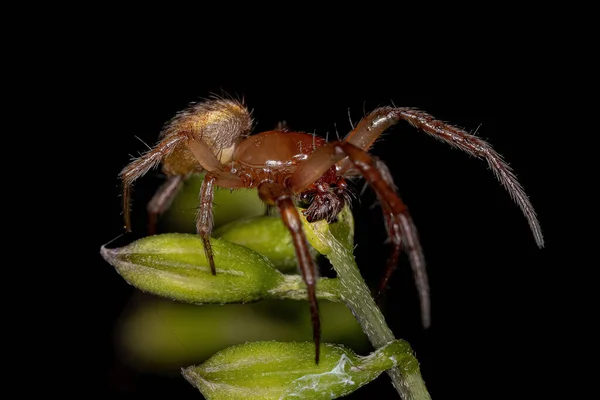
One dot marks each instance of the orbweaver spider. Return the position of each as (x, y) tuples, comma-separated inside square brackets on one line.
[(287, 167)]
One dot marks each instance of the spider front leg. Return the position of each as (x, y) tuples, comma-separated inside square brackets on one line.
[(401, 230), (275, 195), (374, 124)]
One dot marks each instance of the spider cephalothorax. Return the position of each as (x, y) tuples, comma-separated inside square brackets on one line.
[(288, 167)]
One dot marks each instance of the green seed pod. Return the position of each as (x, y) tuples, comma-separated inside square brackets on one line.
[(174, 266), (265, 235), (282, 370)]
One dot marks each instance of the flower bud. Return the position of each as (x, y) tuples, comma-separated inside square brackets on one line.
[(278, 370), (174, 266)]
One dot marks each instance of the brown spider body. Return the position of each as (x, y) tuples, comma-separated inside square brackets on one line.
[(288, 168), (273, 156)]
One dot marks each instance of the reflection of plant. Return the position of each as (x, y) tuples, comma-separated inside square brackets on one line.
[(247, 256)]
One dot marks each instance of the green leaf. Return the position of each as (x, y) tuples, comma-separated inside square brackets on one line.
[(276, 370)]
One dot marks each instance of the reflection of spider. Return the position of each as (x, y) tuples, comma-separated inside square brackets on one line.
[(291, 167)]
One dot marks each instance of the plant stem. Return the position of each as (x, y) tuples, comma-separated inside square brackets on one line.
[(294, 288), (406, 378)]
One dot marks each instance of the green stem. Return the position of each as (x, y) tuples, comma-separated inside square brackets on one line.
[(294, 288), (407, 376)]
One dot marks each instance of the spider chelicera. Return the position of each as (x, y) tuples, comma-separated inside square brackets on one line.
[(289, 167)]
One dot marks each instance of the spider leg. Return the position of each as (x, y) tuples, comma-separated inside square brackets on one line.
[(401, 229), (140, 166), (374, 124), (274, 194), (209, 161), (162, 200), (396, 238), (204, 218), (313, 168), (216, 174)]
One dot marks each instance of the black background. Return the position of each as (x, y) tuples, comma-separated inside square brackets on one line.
[(489, 296)]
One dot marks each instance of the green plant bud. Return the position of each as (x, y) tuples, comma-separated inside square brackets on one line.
[(287, 370), (265, 235), (174, 266), (321, 235)]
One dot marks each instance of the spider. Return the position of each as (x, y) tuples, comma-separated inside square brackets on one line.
[(289, 168)]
